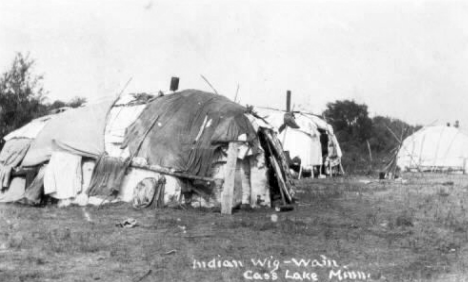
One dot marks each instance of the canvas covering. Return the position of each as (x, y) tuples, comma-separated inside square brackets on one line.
[(78, 131), (434, 147), (304, 142), (184, 129)]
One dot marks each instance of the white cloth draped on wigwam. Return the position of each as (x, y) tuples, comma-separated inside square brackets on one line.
[(63, 177)]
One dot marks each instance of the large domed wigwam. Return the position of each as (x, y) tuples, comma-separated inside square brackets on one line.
[(149, 150)]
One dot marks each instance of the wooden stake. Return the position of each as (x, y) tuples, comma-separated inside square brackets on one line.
[(166, 171), (277, 150), (227, 196), (280, 183)]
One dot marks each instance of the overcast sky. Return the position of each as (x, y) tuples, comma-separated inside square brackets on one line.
[(404, 59)]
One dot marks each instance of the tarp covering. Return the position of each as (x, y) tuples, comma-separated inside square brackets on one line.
[(304, 142), (319, 123), (79, 131), (433, 148), (185, 128), (303, 145)]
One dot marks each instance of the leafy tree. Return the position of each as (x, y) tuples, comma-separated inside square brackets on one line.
[(355, 130), (21, 95), (74, 103), (350, 121), (57, 104), (388, 133)]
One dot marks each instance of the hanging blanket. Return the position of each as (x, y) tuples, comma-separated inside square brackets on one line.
[(107, 176)]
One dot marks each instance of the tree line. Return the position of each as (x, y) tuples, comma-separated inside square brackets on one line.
[(23, 98), (365, 141)]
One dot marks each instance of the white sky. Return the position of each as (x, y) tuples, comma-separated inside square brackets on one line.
[(405, 59)]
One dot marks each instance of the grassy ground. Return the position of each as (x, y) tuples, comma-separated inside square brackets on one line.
[(387, 231)]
